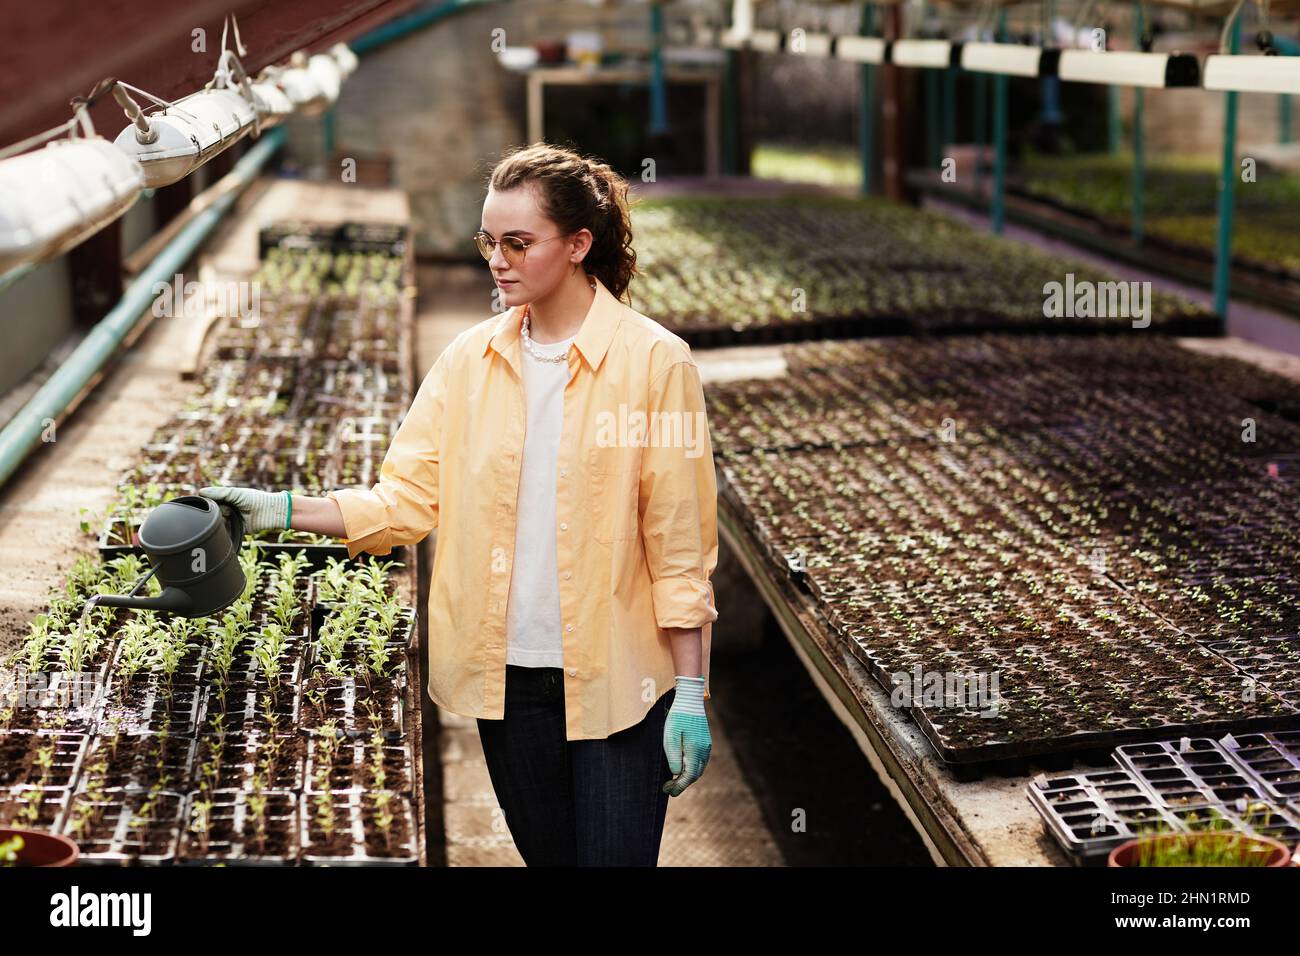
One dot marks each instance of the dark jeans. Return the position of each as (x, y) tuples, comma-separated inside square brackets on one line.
[(579, 802)]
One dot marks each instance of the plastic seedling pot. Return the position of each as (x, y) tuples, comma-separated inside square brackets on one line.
[(351, 767), (41, 848), (1273, 852)]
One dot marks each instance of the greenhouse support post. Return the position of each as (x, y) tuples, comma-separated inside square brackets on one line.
[(1139, 145), (867, 130), (658, 87), (998, 213), (1227, 187)]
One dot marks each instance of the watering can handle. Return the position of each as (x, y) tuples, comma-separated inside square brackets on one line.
[(235, 524)]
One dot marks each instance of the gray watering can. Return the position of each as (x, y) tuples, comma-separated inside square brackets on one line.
[(193, 543)]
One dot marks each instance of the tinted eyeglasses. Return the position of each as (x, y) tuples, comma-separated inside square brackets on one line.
[(513, 248)]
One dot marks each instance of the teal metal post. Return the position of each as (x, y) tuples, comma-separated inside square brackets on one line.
[(730, 134), (1114, 122), (949, 107), (1227, 186), (1284, 118), (998, 213), (1139, 147), (867, 144), (980, 93), (658, 86), (933, 121)]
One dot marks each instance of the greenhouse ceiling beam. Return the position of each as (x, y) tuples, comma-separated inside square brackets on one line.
[(55, 399)]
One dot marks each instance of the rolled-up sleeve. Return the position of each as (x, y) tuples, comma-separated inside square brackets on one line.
[(679, 499), (402, 506)]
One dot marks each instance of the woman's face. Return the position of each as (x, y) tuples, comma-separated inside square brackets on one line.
[(515, 212)]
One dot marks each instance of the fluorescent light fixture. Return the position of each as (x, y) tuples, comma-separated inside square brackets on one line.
[(769, 41), (171, 144), (53, 198), (925, 54), (345, 58), (814, 44), (732, 41), (859, 49), (1252, 74), (273, 104), (1008, 59), (1124, 68), (328, 75)]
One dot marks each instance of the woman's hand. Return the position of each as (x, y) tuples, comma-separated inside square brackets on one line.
[(686, 735), (262, 510)]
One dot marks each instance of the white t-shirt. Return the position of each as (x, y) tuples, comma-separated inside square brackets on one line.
[(533, 608)]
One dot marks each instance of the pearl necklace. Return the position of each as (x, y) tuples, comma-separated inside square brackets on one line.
[(531, 346)]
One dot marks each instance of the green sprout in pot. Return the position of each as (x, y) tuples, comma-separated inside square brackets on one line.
[(10, 849)]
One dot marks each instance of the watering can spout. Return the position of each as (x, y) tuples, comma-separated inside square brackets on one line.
[(171, 600)]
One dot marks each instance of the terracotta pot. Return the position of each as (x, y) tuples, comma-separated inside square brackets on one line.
[(41, 848), (1126, 853)]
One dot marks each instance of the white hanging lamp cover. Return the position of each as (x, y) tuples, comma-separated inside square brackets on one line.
[(346, 59), (273, 104), (328, 75), (53, 198), (187, 133), (303, 88)]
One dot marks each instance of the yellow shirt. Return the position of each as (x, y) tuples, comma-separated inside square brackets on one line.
[(636, 512)]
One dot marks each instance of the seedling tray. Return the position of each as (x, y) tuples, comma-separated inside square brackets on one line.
[(149, 704), (242, 756), (136, 762), (357, 840), (1137, 719), (51, 806), (345, 701), (232, 835), (1188, 772), (1089, 814), (1272, 760), (19, 748), (352, 766), (121, 833)]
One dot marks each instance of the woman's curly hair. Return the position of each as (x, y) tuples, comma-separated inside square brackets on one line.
[(578, 192)]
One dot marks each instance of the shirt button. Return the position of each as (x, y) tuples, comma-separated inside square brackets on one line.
[(573, 672), (563, 526), (569, 627), (567, 575), (563, 472)]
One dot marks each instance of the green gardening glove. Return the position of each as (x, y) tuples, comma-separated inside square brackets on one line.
[(262, 510), (686, 733)]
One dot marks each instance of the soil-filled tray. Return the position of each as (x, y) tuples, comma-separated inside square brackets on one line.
[(120, 829), (35, 808), (151, 703), (1039, 720), (258, 828), (47, 758), (354, 706), (351, 763), (136, 761), (66, 701), (358, 828), (247, 761)]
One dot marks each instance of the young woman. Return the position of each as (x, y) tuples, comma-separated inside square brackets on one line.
[(562, 450)]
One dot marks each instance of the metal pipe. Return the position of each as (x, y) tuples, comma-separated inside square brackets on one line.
[(867, 140), (1000, 106), (51, 402)]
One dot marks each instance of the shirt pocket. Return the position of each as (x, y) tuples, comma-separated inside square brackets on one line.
[(614, 474)]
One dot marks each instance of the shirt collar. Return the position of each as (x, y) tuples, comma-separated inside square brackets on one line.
[(593, 337)]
